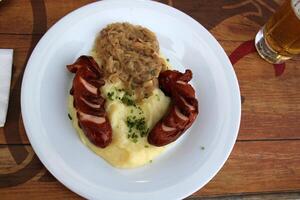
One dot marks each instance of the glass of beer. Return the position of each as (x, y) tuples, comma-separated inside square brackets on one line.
[(279, 39)]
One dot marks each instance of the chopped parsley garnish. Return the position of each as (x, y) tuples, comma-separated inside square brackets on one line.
[(70, 116), (110, 95), (127, 100), (135, 122), (119, 94), (136, 126), (146, 146), (132, 136), (119, 89), (168, 59)]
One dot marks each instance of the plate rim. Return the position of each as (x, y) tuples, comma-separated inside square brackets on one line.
[(24, 101)]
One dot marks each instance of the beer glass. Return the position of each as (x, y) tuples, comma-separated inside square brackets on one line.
[(279, 39)]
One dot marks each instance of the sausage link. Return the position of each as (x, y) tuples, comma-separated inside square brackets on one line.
[(183, 111), (88, 102)]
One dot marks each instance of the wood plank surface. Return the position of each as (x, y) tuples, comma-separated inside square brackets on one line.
[(266, 157), (274, 196), (253, 167), (271, 109), (19, 13), (14, 126), (261, 119)]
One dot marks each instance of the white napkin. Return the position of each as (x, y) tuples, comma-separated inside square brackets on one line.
[(6, 59)]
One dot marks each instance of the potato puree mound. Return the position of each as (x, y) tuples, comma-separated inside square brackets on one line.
[(130, 124)]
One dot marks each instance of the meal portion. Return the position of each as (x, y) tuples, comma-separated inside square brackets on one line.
[(88, 101), (131, 54), (126, 103), (183, 111)]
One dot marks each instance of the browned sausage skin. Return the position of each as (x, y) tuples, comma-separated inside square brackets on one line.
[(183, 111), (92, 117), (88, 102)]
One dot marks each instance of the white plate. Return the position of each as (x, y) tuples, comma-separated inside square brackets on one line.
[(182, 169)]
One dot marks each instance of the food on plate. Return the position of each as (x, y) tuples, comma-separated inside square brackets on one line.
[(88, 102), (131, 54), (130, 125), (126, 103), (182, 112)]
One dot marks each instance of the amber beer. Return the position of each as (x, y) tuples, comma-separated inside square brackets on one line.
[(279, 39)]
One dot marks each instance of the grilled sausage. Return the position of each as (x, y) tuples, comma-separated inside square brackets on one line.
[(183, 111), (88, 102)]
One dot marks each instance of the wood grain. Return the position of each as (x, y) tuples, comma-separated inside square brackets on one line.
[(253, 167), (266, 156), (19, 13), (271, 109), (258, 166), (21, 45), (273, 196)]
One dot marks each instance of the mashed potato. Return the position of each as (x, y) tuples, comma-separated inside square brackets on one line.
[(130, 123)]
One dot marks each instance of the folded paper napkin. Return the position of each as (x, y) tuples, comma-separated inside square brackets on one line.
[(6, 59)]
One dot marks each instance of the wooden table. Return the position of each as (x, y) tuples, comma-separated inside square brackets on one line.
[(266, 156)]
